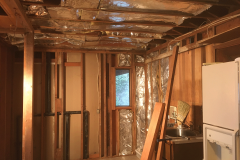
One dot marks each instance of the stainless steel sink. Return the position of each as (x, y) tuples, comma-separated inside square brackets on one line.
[(177, 132)]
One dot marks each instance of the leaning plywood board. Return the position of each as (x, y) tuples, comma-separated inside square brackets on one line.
[(172, 68), (153, 131)]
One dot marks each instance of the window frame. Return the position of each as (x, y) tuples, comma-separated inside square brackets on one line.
[(130, 86)]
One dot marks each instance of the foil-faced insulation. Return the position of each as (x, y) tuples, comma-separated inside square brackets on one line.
[(124, 60), (139, 59), (64, 13), (140, 107), (80, 3), (164, 76), (36, 10), (187, 7), (125, 132), (33, 0), (124, 17), (172, 46), (155, 83), (134, 35), (149, 109), (153, 54)]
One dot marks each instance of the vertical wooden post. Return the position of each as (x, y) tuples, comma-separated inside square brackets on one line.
[(27, 130), (59, 106), (105, 105), (43, 103), (82, 101), (146, 96), (100, 104), (133, 98), (110, 98)]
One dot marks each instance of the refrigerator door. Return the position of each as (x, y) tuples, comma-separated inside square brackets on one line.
[(220, 144), (220, 95)]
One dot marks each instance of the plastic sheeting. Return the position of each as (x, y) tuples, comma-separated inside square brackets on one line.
[(124, 60), (125, 132), (140, 107), (36, 10), (164, 76), (139, 59)]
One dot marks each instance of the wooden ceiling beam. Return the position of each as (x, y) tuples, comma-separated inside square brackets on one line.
[(211, 2), (17, 31), (128, 11), (19, 13), (100, 22), (42, 49), (108, 30)]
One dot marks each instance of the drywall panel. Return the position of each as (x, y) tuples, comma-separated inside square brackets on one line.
[(92, 100), (73, 103)]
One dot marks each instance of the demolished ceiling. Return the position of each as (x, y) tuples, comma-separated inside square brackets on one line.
[(105, 24)]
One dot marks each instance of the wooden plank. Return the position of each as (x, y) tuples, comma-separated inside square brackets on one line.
[(88, 51), (172, 68), (67, 64), (27, 132), (43, 90), (92, 156), (82, 101), (105, 104), (153, 131), (222, 37)]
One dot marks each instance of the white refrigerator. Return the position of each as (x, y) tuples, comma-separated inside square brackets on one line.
[(220, 84)]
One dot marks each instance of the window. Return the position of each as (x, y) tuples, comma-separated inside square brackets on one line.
[(122, 87)]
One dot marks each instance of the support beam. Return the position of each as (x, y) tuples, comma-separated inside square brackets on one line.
[(211, 2), (100, 22), (139, 52), (27, 130)]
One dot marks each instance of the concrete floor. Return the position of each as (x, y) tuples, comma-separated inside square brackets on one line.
[(134, 157)]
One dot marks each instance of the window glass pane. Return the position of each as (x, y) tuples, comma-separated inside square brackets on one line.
[(122, 87)]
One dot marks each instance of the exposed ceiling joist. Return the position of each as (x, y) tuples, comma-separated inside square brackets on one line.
[(42, 49), (17, 31), (98, 22), (211, 2), (17, 10)]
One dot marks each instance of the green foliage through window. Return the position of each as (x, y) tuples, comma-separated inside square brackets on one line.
[(122, 87)]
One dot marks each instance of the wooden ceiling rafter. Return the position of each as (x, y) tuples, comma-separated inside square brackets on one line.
[(101, 22), (46, 49), (211, 2)]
